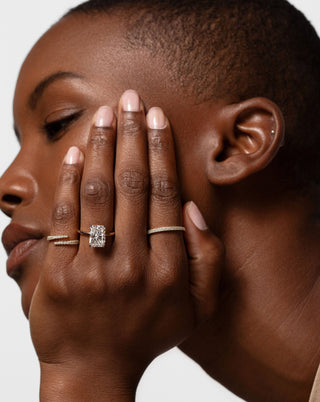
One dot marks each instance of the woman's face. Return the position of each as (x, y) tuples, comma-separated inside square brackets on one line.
[(78, 65)]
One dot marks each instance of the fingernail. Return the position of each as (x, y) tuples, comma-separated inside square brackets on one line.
[(104, 117), (156, 118), (196, 216), (130, 101), (73, 156)]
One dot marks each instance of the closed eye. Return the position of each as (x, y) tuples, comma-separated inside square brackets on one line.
[(55, 129)]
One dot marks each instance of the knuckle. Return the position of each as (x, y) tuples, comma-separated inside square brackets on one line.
[(101, 138), (124, 281), (166, 275), (158, 142), (70, 175), (213, 252), (167, 279), (97, 191), (127, 278), (129, 275), (57, 286), (64, 211), (164, 189), (92, 285), (65, 289), (218, 249), (131, 126), (132, 183)]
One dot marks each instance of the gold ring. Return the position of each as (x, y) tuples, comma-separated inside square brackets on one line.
[(166, 229), (57, 237), (66, 243), (97, 235)]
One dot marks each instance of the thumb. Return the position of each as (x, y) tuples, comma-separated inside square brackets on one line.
[(206, 257)]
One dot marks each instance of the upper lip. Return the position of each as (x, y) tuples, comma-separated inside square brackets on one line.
[(15, 234)]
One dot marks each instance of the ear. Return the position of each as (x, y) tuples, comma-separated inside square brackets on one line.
[(249, 135)]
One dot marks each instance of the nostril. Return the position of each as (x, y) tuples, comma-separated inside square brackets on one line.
[(11, 199)]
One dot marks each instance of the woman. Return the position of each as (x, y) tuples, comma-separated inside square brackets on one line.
[(61, 95)]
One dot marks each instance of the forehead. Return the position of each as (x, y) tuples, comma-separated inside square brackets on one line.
[(94, 48)]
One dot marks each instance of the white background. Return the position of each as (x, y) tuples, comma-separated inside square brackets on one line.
[(172, 377)]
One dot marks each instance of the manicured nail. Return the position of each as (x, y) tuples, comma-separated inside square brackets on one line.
[(196, 216), (130, 101), (156, 118), (73, 156), (104, 117)]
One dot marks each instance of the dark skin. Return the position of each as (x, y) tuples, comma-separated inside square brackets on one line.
[(262, 340)]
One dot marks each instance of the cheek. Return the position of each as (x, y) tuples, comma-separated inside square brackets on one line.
[(52, 160), (78, 136), (193, 180)]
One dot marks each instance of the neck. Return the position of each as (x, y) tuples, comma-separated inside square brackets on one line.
[(265, 339)]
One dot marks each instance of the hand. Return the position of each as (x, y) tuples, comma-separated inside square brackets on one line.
[(99, 316)]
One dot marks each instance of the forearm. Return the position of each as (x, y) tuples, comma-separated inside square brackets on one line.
[(73, 385)]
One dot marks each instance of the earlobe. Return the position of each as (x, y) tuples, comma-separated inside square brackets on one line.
[(250, 134)]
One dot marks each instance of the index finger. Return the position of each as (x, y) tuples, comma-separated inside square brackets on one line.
[(65, 218)]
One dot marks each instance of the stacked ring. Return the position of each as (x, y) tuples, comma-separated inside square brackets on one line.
[(98, 235), (60, 240)]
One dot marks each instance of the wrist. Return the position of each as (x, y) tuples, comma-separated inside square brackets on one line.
[(74, 383)]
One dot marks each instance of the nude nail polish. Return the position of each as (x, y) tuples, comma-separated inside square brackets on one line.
[(73, 156), (104, 117), (130, 101), (196, 216), (156, 118)]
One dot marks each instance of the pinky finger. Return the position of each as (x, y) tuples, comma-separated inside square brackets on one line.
[(66, 211)]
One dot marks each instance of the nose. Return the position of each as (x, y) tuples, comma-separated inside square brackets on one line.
[(17, 188)]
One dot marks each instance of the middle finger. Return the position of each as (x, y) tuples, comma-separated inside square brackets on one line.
[(131, 172)]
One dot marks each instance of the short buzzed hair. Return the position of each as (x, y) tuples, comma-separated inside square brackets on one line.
[(237, 50)]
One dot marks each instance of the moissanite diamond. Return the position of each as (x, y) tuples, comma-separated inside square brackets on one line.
[(97, 236)]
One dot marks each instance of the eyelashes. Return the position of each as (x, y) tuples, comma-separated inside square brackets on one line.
[(55, 129)]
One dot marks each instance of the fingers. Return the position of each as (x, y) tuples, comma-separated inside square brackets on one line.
[(165, 205), (65, 219), (131, 172), (97, 187), (206, 258)]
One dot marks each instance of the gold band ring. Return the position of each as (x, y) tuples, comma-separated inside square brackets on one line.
[(57, 237), (97, 235), (66, 243), (60, 240), (166, 229)]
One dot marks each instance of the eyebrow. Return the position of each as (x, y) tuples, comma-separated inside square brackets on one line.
[(43, 85)]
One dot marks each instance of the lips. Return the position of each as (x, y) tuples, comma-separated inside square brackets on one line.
[(18, 242)]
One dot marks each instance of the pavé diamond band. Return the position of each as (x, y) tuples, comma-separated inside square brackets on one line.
[(166, 229), (61, 240)]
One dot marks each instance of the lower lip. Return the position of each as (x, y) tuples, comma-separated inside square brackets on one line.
[(18, 254)]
